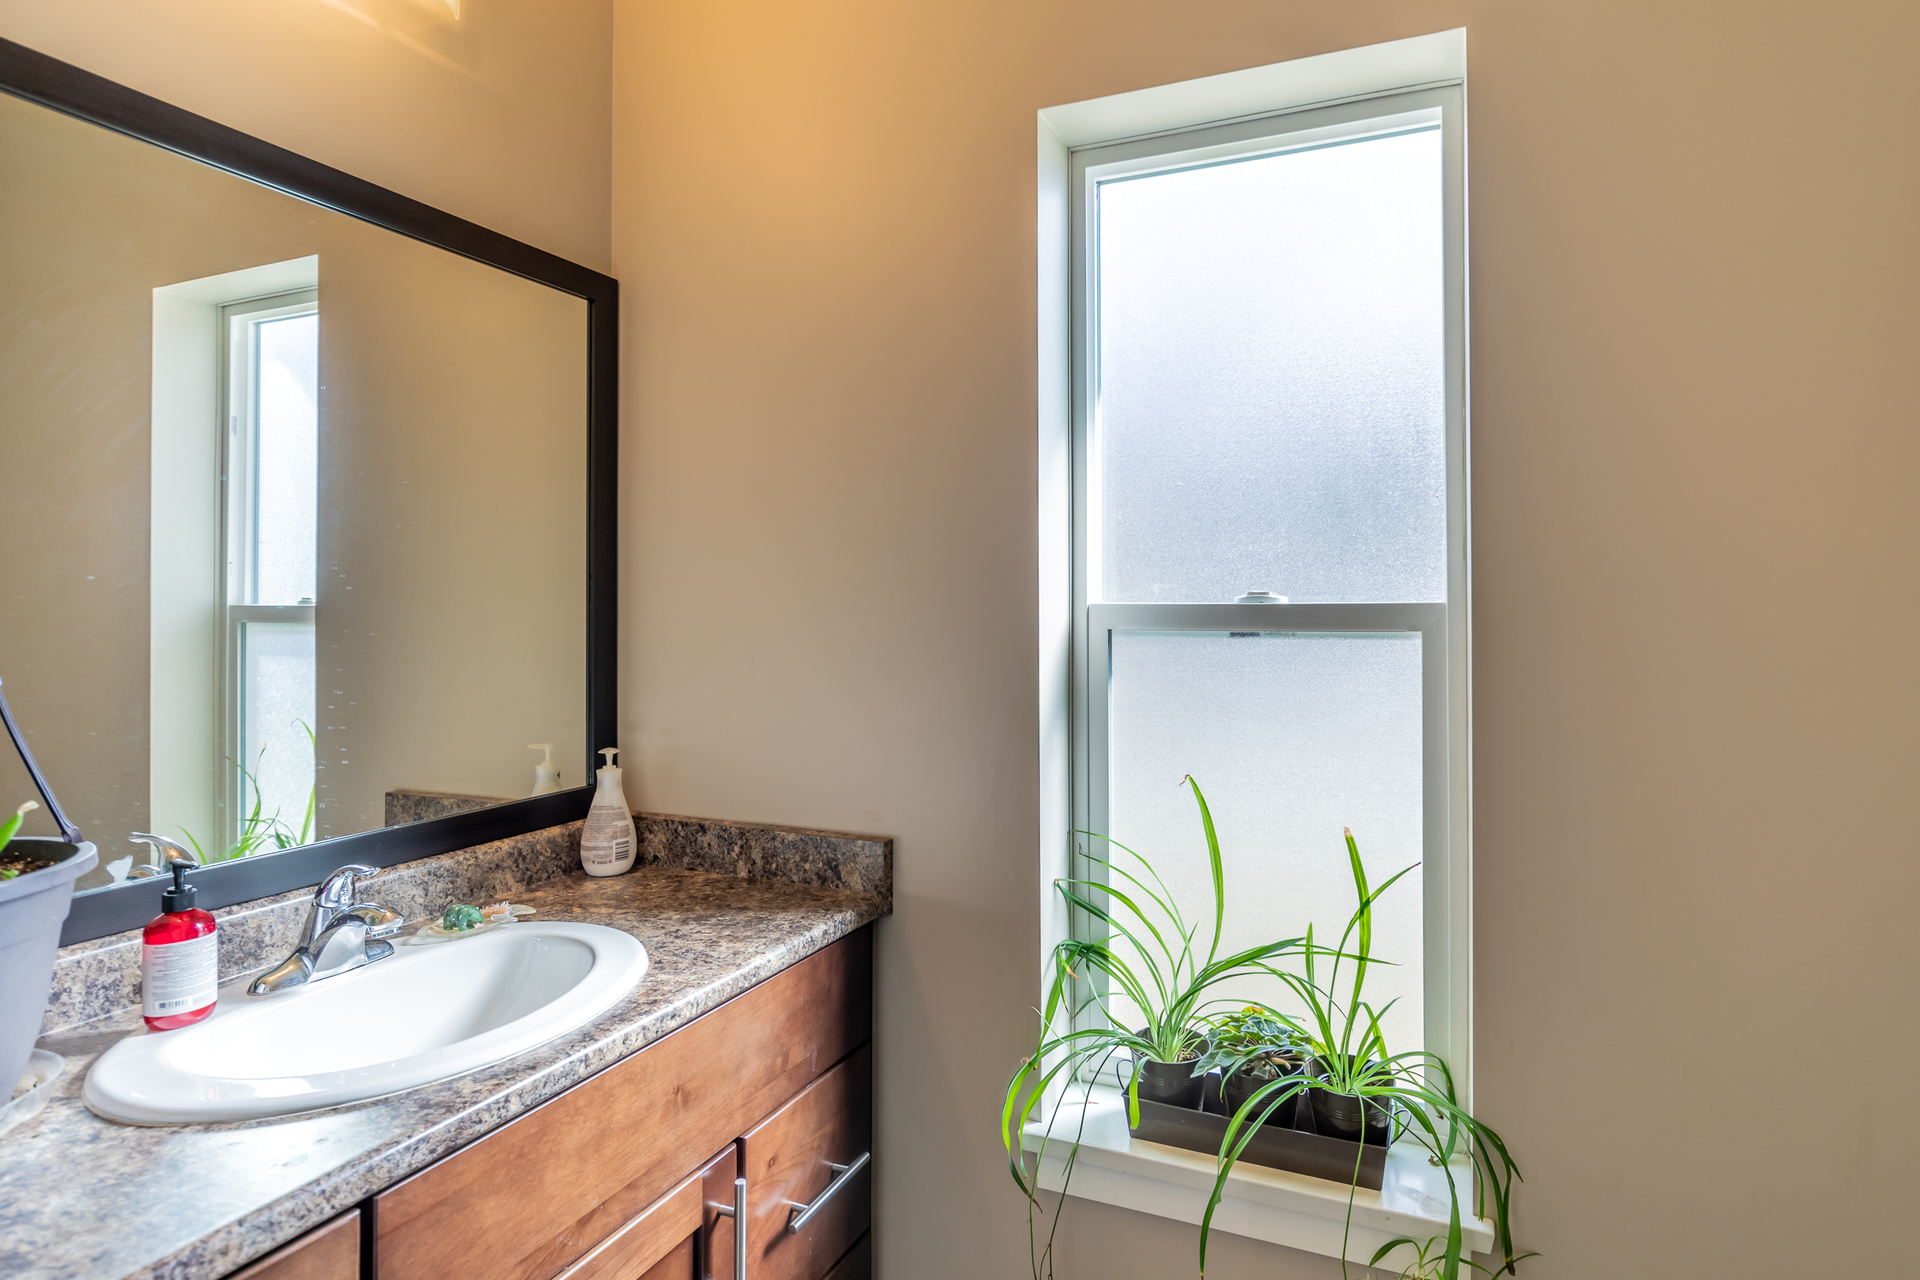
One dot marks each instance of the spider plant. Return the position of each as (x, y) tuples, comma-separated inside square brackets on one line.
[(1350, 1058), (1146, 951), (285, 837), (7, 830), (11, 825), (258, 829), (1427, 1260)]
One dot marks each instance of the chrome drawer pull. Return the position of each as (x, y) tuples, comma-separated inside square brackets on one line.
[(738, 1212), (801, 1214)]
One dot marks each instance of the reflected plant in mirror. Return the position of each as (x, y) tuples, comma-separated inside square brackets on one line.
[(259, 829)]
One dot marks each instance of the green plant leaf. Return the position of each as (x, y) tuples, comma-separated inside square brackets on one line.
[(11, 826), (1214, 868)]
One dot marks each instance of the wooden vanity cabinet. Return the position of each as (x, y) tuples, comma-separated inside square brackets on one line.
[(789, 1160), (331, 1251), (671, 1238), (620, 1177)]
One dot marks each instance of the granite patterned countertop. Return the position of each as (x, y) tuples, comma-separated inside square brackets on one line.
[(82, 1198)]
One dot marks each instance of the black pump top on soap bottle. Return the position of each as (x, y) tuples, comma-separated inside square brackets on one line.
[(181, 895)]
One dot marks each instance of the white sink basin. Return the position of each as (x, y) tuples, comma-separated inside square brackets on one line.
[(426, 1013)]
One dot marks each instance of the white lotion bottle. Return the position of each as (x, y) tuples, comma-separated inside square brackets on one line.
[(608, 842), (546, 772)]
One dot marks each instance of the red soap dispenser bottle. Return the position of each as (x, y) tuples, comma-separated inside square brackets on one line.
[(179, 959)]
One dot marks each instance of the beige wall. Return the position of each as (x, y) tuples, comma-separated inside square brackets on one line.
[(1693, 290), (73, 449), (499, 116)]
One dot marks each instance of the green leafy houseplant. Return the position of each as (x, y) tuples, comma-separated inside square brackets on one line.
[(1351, 1059), (258, 829), (1250, 1046), (1147, 952), (1339, 1033), (1427, 1261), (8, 830)]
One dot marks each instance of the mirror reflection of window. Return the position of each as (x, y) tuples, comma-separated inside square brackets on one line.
[(270, 473)]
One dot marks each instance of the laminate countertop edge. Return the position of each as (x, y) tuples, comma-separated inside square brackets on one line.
[(82, 1198)]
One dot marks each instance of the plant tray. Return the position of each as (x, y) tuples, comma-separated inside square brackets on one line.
[(1273, 1145)]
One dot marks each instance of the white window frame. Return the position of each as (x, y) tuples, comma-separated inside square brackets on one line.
[(239, 407), (1310, 102), (1444, 669)]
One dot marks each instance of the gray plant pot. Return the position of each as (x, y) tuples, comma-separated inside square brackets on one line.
[(33, 906)]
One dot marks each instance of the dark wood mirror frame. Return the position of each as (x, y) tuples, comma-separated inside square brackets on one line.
[(74, 92)]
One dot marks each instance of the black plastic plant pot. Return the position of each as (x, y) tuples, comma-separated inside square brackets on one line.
[(1341, 1115), (33, 906), (1249, 1078), (1174, 1083)]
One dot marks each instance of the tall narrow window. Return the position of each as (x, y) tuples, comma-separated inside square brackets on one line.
[(270, 472), (1269, 403)]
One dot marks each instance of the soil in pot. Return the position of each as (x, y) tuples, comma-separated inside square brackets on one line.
[(13, 864), (1174, 1082)]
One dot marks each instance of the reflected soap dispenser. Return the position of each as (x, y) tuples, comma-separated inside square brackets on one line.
[(546, 773), (179, 950), (608, 842)]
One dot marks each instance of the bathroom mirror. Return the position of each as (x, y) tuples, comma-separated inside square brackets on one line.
[(309, 504)]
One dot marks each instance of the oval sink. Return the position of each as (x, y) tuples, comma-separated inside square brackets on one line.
[(424, 1014)]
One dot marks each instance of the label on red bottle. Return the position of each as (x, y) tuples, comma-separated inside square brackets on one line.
[(177, 977)]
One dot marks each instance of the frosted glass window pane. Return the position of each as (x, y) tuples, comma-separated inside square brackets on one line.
[(1271, 403), (286, 461), (1292, 738), (278, 699)]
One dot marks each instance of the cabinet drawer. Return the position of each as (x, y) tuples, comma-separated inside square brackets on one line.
[(858, 1264), (682, 1264), (673, 1233), (331, 1251), (529, 1198), (786, 1160)]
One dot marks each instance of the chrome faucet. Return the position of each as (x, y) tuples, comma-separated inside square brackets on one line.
[(340, 935), (163, 854)]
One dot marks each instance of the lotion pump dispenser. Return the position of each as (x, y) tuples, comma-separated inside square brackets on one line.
[(179, 949), (608, 842), (546, 774)]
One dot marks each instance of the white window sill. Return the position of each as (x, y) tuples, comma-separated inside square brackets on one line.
[(1265, 1204)]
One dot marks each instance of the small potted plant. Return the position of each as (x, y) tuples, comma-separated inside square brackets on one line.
[(1174, 1070), (1252, 1047), (1334, 1050), (1358, 1084), (1148, 953), (36, 888), (1345, 1115)]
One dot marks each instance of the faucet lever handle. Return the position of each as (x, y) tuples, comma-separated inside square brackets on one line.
[(337, 890)]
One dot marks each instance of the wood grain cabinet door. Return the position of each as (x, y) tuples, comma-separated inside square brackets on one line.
[(789, 1161), (331, 1251), (680, 1236)]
